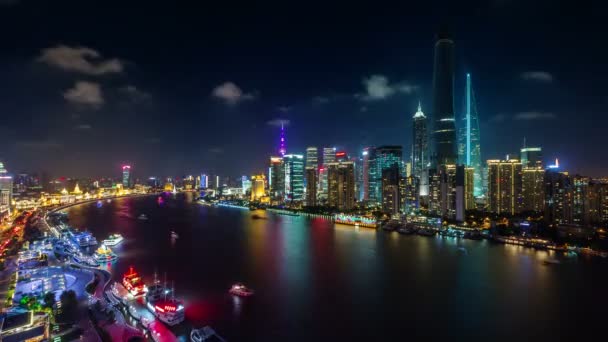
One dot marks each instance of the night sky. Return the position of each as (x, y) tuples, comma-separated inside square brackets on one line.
[(175, 88)]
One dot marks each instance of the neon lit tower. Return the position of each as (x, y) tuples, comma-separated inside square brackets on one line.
[(282, 148), (469, 147), (126, 176)]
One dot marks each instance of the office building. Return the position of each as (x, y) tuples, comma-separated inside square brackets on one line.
[(341, 185), (6, 191), (294, 177), (312, 181), (312, 159), (531, 157), (276, 177), (558, 197), (444, 134), (504, 186), (329, 156), (258, 187), (533, 189), (126, 176), (366, 154), (392, 198), (420, 147), (383, 158)]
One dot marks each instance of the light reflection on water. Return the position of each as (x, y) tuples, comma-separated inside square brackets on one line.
[(318, 281)]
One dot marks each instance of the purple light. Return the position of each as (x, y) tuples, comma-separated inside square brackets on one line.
[(282, 149)]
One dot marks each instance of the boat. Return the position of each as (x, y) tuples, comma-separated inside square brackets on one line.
[(103, 254), (113, 240), (205, 334), (174, 235), (473, 235), (84, 260), (108, 200), (84, 239), (426, 232), (133, 283), (257, 217), (406, 230), (551, 261), (162, 303), (240, 290)]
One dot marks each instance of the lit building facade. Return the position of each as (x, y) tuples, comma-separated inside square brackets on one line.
[(366, 154), (558, 197), (469, 142), (126, 176), (504, 186), (276, 176), (312, 158), (533, 189), (392, 193), (531, 157), (341, 185), (294, 177), (420, 147), (258, 187), (6, 191), (329, 156), (312, 181), (383, 158)]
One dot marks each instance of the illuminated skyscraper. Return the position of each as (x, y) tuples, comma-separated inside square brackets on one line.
[(443, 101), (558, 197), (392, 196), (276, 177), (329, 156), (341, 185), (382, 158), (312, 184), (126, 176), (531, 157), (258, 187), (6, 191), (533, 189), (420, 151), (366, 154), (204, 181), (312, 159), (282, 142), (294, 177), (469, 146), (504, 186)]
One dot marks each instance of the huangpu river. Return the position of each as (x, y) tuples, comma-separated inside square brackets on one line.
[(316, 281)]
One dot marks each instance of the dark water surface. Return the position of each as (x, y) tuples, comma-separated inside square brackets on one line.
[(316, 281)]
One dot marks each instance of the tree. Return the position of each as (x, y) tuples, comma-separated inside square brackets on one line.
[(69, 306), (49, 300)]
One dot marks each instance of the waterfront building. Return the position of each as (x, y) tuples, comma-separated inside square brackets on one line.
[(469, 144), (443, 101), (452, 191), (531, 157), (412, 194), (6, 191), (558, 197), (126, 176), (341, 185), (294, 177), (329, 156), (311, 185), (366, 154), (533, 190), (258, 187), (383, 158), (504, 186), (420, 147), (393, 192), (581, 213), (246, 184), (434, 195), (276, 177), (312, 159)]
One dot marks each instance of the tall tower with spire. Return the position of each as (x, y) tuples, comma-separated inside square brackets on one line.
[(469, 142), (420, 150), (282, 148)]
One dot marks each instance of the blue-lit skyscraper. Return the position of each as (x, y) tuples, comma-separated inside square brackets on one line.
[(126, 176), (383, 158), (469, 142), (420, 149), (444, 132), (294, 177)]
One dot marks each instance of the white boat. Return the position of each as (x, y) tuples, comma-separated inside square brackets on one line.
[(162, 303), (103, 254), (205, 334), (84, 260), (142, 217), (113, 240)]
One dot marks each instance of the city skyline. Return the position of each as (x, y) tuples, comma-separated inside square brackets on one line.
[(347, 95)]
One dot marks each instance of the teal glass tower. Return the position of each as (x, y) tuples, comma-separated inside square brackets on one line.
[(469, 142)]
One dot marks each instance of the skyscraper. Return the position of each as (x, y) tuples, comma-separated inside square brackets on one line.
[(312, 159), (126, 176), (294, 177), (258, 187), (558, 197), (420, 149), (533, 189), (443, 101), (366, 154), (382, 158), (276, 177), (531, 157), (504, 186), (312, 182), (329, 156), (469, 144), (341, 185), (392, 198), (6, 191)]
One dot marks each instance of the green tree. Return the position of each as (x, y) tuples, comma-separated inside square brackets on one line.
[(49, 300)]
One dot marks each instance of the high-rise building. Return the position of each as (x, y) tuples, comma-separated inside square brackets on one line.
[(469, 188), (312, 182), (531, 157), (504, 186), (294, 177), (581, 191), (366, 154), (276, 177), (312, 159), (329, 156), (434, 195), (204, 181), (6, 191), (392, 198), (469, 144), (558, 197), (420, 147), (246, 184), (383, 158), (258, 187), (443, 101), (126, 176), (341, 156), (533, 189), (452, 191), (412, 194), (341, 185)]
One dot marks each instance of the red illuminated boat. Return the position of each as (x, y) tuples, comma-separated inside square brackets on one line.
[(240, 290), (133, 283), (161, 301)]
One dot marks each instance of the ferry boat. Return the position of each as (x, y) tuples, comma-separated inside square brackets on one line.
[(84, 260), (240, 290), (84, 239), (162, 303), (408, 229), (104, 255), (113, 240), (205, 334), (133, 283)]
